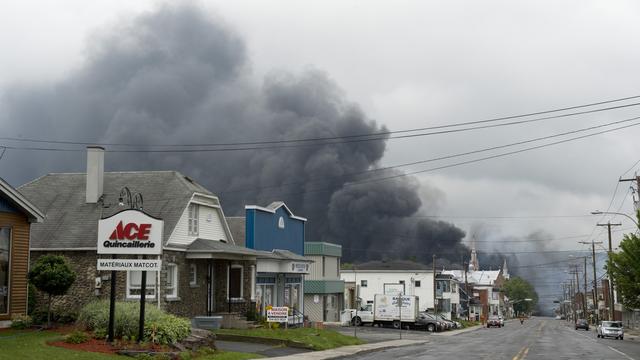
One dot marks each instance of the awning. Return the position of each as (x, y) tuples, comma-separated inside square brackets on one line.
[(212, 249)]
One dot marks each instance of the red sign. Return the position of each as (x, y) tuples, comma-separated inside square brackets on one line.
[(131, 231)]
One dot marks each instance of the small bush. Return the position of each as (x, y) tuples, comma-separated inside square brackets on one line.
[(21, 322), (76, 337), (167, 330), (160, 327)]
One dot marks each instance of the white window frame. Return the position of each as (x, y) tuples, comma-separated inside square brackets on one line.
[(363, 283), (149, 283), (193, 275), (193, 213), (235, 266), (171, 293)]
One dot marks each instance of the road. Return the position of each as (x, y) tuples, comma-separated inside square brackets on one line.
[(538, 338)]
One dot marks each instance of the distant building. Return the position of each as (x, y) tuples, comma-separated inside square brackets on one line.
[(366, 280), (324, 289)]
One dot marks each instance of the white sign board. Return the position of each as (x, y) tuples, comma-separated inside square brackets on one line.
[(386, 307), (129, 264), (130, 232), (393, 289), (278, 314)]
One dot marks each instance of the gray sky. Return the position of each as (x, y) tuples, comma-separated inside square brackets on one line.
[(420, 63)]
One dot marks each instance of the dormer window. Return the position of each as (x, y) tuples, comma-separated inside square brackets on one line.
[(193, 219), (281, 222)]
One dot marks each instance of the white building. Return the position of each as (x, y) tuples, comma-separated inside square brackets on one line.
[(373, 278)]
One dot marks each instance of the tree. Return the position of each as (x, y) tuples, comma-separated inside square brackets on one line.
[(53, 275), (625, 270), (517, 290)]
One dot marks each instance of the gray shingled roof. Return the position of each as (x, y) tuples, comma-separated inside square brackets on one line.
[(238, 229), (72, 223), (204, 245)]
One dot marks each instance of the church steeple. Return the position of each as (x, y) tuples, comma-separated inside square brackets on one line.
[(505, 270), (473, 263)]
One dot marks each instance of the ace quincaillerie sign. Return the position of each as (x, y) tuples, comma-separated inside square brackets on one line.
[(131, 232)]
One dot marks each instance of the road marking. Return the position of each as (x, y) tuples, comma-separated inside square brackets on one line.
[(522, 353), (621, 353)]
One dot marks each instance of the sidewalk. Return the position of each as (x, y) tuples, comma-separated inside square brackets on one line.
[(458, 331), (352, 350)]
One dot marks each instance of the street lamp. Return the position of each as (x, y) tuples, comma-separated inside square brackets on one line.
[(598, 212)]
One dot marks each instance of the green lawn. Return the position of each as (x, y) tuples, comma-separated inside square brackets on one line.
[(27, 345), (31, 345), (318, 339)]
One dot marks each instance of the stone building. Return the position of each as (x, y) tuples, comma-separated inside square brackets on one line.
[(16, 216), (203, 271)]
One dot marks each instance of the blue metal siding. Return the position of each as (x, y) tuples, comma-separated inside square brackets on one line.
[(265, 234), (249, 228)]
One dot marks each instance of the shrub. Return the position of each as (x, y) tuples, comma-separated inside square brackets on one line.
[(20, 322), (160, 327), (76, 337), (53, 275), (167, 330)]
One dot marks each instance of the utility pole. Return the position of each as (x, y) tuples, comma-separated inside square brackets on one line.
[(584, 295), (595, 276), (611, 302), (637, 180), (576, 290), (466, 289), (435, 307)]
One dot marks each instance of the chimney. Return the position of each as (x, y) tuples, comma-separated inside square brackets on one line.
[(95, 173)]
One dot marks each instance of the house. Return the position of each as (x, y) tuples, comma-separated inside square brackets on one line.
[(366, 280), (485, 286), (276, 234), (203, 271), (448, 296), (17, 214), (324, 290)]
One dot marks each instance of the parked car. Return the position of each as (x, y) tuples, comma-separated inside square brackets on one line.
[(428, 322), (493, 321), (558, 317), (611, 329), (582, 324)]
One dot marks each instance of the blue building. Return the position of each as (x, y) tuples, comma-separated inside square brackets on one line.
[(279, 234)]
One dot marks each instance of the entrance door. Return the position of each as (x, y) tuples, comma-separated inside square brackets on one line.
[(330, 308)]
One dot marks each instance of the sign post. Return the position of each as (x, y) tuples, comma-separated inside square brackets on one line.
[(129, 232)]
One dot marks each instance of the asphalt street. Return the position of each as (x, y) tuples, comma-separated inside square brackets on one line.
[(537, 338)]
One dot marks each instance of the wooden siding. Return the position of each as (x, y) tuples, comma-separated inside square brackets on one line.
[(211, 230), (19, 262)]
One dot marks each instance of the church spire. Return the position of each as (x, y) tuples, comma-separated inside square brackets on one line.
[(505, 270), (473, 263)]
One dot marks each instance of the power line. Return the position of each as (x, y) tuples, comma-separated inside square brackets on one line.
[(379, 136), (445, 157), (357, 182)]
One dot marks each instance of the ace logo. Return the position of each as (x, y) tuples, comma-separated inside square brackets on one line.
[(131, 231)]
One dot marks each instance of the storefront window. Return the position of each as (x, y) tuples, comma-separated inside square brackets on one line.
[(5, 256)]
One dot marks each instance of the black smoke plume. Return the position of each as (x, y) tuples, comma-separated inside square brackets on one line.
[(177, 75)]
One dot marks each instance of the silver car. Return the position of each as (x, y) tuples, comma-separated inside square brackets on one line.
[(611, 329)]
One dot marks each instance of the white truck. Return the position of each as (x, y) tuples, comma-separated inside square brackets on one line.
[(386, 310)]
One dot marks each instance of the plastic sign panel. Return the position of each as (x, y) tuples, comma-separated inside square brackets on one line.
[(279, 314), (130, 232), (129, 264)]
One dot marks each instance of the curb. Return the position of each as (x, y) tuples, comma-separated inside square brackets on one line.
[(345, 351), (458, 332)]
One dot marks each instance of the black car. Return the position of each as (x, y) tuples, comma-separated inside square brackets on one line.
[(428, 322), (582, 324)]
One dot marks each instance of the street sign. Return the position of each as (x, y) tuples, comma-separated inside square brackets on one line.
[(129, 264), (278, 314), (130, 232)]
